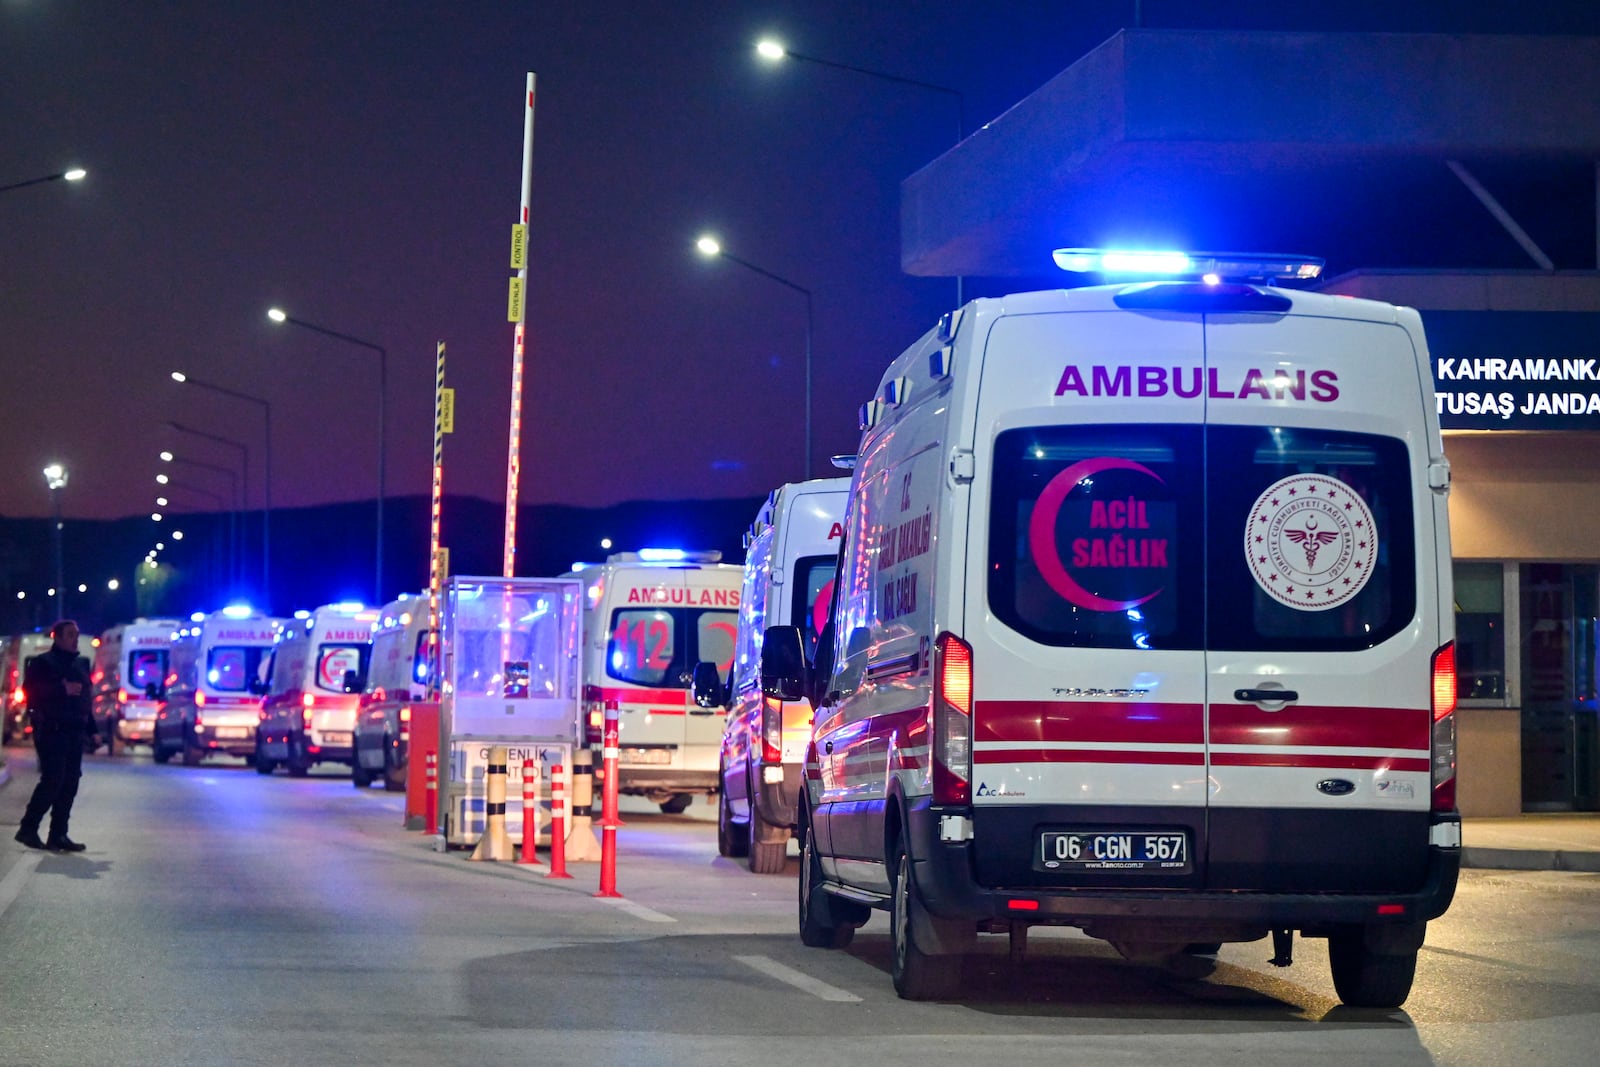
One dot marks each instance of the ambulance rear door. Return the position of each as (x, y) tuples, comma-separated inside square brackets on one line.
[(1320, 609), (1085, 595)]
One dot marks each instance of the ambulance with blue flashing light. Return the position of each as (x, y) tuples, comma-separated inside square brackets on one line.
[(216, 678), (318, 671), (649, 617), (400, 676), (791, 551), (1144, 627), (129, 678)]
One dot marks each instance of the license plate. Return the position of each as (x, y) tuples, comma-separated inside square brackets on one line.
[(645, 755), (1164, 851), (224, 732), (335, 737)]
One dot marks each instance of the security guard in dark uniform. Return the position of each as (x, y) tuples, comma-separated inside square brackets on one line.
[(58, 688)]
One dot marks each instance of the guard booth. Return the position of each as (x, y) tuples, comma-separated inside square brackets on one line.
[(509, 677)]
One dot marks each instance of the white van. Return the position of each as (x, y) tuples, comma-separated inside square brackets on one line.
[(399, 677), (649, 617), (1143, 626), (791, 552), (318, 670), (19, 649), (214, 686), (130, 675)]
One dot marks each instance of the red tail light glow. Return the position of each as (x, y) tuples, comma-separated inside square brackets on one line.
[(771, 730), (1444, 729), (952, 720), (199, 699)]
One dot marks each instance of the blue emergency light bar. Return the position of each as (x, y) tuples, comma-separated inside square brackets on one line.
[(1211, 267), (663, 555), (238, 611)]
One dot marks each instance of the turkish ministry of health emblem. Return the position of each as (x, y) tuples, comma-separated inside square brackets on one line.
[(1311, 542)]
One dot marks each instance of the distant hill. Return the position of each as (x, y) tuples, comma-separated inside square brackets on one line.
[(324, 554)]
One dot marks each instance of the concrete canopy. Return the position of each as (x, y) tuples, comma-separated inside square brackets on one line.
[(1323, 144)]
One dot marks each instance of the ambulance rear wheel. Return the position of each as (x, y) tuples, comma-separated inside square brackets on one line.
[(917, 974), (394, 775), (262, 764), (191, 755), (1367, 979), (360, 777), (677, 803), (299, 761), (159, 752), (818, 927), (766, 857), (733, 840)]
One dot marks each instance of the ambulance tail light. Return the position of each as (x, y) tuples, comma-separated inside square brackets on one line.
[(771, 730), (1444, 729), (122, 696), (199, 698), (594, 723), (18, 695), (952, 720)]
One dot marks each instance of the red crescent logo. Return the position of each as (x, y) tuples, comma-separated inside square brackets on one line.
[(1042, 533), (819, 610)]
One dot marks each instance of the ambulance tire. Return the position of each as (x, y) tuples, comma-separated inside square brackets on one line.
[(677, 803), (917, 975), (733, 840), (192, 755), (299, 762), (360, 777), (766, 857), (1367, 979), (394, 775), (159, 752), (264, 765), (818, 927)]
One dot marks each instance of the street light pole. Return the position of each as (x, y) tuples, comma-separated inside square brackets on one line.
[(278, 315), (711, 247), (233, 514), (774, 51), (244, 453), (76, 174), (55, 476), (266, 508)]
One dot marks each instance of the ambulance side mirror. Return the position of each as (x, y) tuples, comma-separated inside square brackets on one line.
[(707, 687), (353, 682), (784, 674), (152, 691)]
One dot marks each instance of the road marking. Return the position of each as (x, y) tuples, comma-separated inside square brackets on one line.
[(801, 981), (11, 885), (639, 911)]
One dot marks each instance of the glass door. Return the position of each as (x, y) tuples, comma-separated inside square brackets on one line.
[(1560, 743)]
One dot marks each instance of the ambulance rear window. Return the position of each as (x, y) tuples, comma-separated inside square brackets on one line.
[(231, 668), (659, 646), (813, 592), (1183, 537), (146, 666)]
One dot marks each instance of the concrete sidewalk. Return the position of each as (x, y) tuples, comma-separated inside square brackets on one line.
[(1554, 841)]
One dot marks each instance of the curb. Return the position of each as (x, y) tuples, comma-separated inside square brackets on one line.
[(1530, 859)]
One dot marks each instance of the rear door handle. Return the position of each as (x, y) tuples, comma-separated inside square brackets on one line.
[(1260, 696)]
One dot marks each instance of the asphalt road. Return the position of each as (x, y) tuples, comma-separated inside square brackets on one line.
[(219, 917)]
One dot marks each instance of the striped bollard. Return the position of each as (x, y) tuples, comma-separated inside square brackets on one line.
[(431, 793), (558, 822), (610, 751), (530, 812)]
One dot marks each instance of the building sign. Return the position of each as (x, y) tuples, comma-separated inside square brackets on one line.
[(1516, 370)]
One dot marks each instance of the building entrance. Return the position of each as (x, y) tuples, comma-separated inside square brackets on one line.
[(1560, 742)]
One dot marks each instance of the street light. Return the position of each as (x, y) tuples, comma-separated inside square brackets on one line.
[(775, 52), (76, 174), (233, 514), (280, 316), (55, 476), (266, 509), (711, 248), (244, 451)]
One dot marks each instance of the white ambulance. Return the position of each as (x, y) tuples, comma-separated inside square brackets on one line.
[(649, 617), (1144, 627), (130, 673), (215, 683), (791, 552), (318, 670), (398, 677)]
